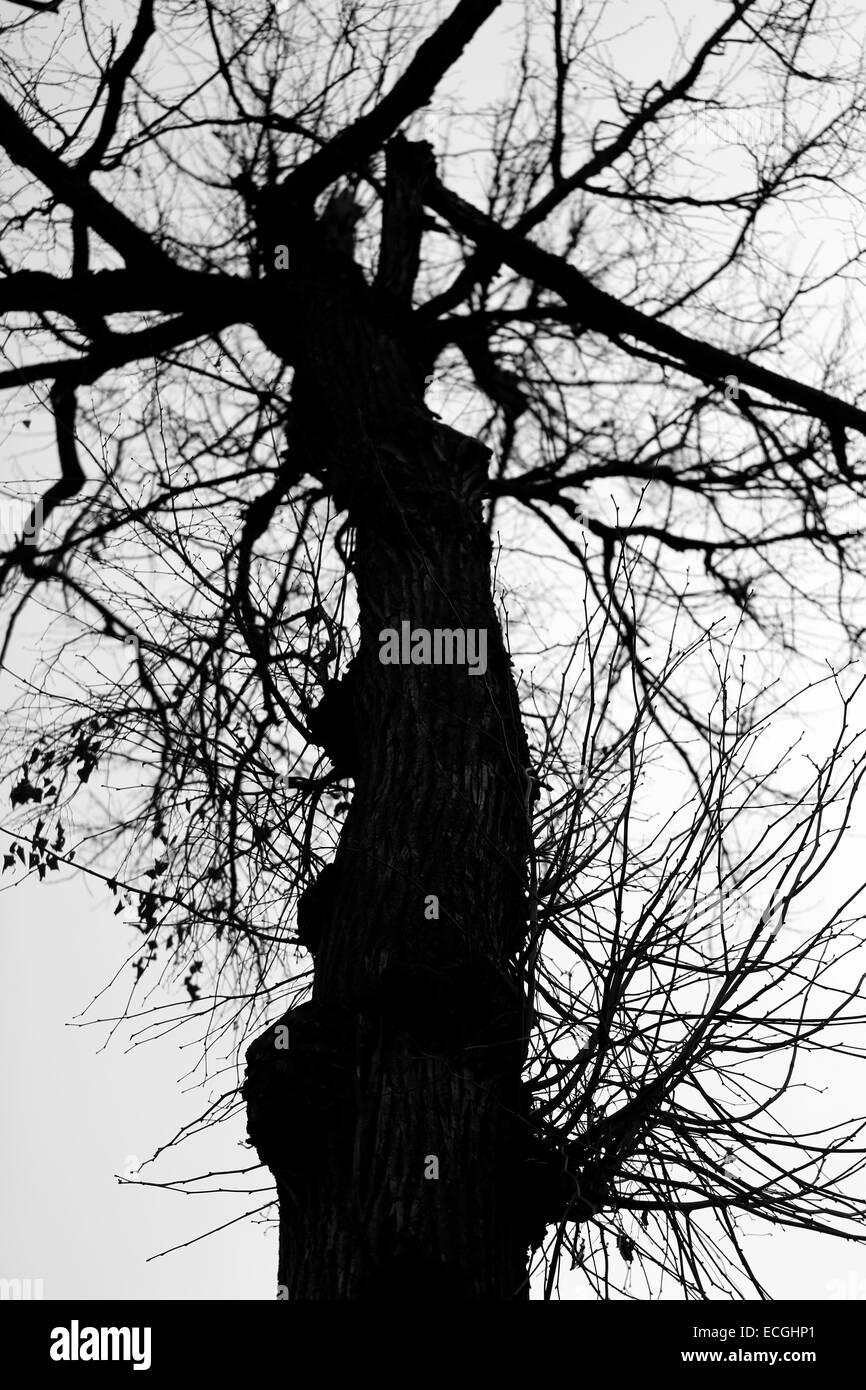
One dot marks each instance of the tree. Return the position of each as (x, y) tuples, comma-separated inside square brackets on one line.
[(239, 275)]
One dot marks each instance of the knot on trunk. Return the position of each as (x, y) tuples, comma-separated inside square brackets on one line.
[(299, 1090), (316, 908), (333, 724)]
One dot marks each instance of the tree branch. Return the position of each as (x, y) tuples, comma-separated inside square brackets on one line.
[(604, 313), (413, 89), (116, 350), (117, 292), (480, 266), (40, 6), (116, 80), (73, 190)]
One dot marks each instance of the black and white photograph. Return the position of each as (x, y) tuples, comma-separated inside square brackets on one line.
[(432, 676)]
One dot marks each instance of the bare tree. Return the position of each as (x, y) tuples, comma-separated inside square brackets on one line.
[(332, 359)]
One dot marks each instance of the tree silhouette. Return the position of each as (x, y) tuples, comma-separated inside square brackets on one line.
[(338, 356)]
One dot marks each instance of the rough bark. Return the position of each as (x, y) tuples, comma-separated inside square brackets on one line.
[(412, 1046)]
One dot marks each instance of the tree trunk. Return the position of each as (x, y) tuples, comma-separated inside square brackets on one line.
[(395, 1122)]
